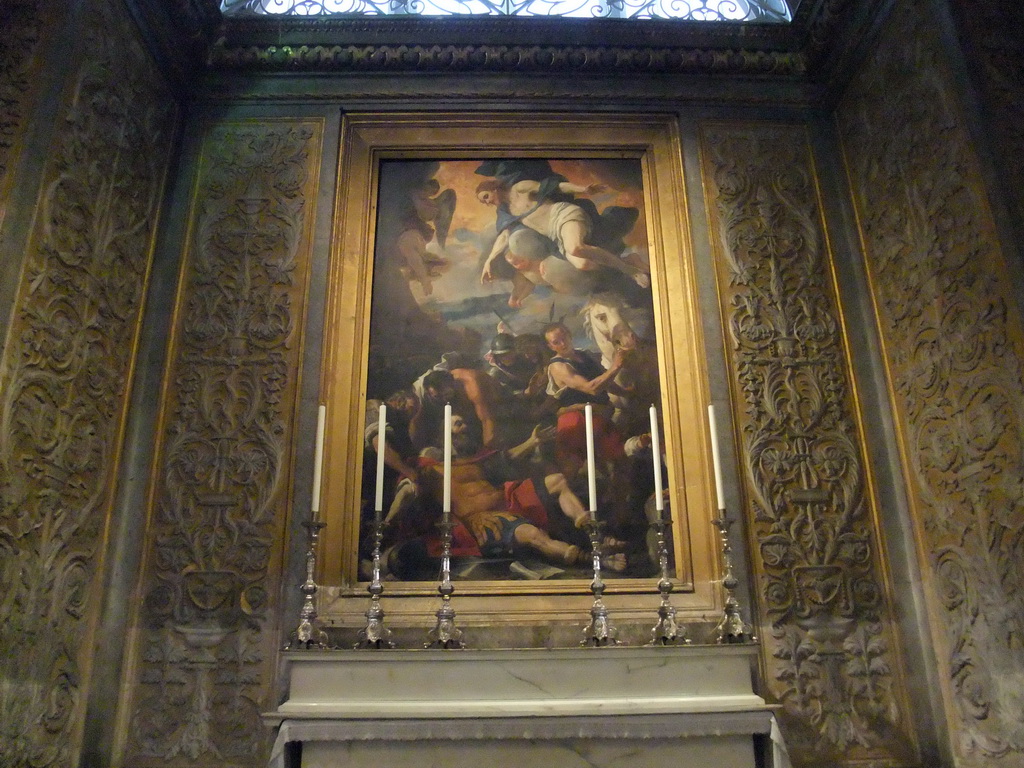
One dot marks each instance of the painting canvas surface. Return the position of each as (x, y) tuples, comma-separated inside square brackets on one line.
[(517, 290)]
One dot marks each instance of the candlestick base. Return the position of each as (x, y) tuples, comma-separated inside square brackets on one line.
[(732, 628), (599, 632), (445, 634), (666, 631), (308, 635), (375, 635)]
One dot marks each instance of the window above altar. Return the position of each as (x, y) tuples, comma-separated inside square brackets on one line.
[(758, 11)]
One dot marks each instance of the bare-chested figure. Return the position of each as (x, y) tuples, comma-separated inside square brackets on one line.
[(505, 516)]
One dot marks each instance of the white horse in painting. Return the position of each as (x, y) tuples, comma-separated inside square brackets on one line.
[(605, 319)]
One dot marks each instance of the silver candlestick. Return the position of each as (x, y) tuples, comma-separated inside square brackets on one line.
[(599, 632), (308, 634), (666, 631), (375, 635), (445, 634), (732, 628)]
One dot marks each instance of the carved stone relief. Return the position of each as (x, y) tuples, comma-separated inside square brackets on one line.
[(208, 621), (828, 645), (549, 59), (955, 356), (65, 377)]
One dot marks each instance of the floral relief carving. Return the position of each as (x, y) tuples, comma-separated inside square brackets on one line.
[(832, 664), (207, 647), (954, 353), (64, 382)]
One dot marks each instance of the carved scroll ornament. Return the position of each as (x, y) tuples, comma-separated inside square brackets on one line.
[(64, 382), (956, 362), (831, 661), (207, 647)]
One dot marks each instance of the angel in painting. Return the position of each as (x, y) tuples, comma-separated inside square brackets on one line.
[(425, 223), (527, 193)]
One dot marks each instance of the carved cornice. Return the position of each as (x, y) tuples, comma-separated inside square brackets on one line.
[(660, 91), (494, 30), (829, 653), (207, 650), (531, 59), (605, 46), (955, 355), (815, 45), (64, 381)]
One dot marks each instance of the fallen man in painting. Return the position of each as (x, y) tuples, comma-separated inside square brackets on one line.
[(494, 516)]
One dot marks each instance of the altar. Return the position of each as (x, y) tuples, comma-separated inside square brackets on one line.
[(558, 708)]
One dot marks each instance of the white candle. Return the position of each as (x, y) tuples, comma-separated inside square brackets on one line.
[(318, 457), (716, 458), (382, 425), (446, 506), (659, 502), (591, 469)]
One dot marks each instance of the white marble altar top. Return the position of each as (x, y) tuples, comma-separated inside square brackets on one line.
[(428, 684)]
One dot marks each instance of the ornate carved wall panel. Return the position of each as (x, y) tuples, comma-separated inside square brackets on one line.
[(829, 651), (208, 624), (953, 347), (65, 376)]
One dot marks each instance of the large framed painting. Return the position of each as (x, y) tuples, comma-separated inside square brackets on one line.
[(516, 268)]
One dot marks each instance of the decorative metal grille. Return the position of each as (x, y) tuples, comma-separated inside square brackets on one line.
[(774, 11)]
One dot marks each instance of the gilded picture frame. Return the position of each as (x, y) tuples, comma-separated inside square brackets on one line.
[(394, 289)]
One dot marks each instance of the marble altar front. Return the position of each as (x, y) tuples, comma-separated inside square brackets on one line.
[(608, 707)]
